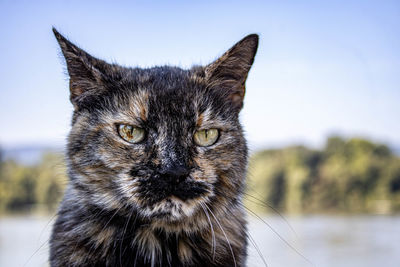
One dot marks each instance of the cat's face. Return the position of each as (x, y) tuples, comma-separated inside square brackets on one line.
[(163, 141)]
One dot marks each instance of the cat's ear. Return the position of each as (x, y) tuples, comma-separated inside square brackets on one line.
[(229, 72), (85, 71)]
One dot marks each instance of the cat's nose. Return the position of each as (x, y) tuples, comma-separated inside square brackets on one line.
[(175, 173)]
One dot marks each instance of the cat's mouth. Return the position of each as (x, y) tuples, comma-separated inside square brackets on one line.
[(172, 209), (162, 199)]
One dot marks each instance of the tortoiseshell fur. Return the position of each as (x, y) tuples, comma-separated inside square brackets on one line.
[(164, 201)]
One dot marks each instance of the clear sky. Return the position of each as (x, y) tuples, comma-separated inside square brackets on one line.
[(323, 67)]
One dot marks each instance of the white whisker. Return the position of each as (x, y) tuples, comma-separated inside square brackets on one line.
[(226, 237), (258, 249), (280, 237), (213, 242)]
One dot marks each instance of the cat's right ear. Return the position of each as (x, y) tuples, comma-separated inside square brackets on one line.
[(85, 71)]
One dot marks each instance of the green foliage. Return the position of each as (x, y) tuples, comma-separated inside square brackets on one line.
[(25, 188), (353, 175)]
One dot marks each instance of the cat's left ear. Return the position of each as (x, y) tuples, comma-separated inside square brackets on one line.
[(229, 72)]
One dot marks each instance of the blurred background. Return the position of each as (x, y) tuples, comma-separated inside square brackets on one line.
[(321, 115)]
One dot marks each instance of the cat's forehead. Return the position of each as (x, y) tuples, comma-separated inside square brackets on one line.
[(168, 95), (169, 82), (171, 89)]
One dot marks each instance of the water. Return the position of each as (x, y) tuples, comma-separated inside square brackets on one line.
[(329, 241), (24, 241), (344, 241)]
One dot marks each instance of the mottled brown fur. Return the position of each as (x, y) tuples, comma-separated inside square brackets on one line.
[(163, 201)]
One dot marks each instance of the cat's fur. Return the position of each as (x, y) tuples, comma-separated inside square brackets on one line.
[(123, 205)]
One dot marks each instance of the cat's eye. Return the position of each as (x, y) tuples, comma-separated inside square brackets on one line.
[(206, 137), (131, 134)]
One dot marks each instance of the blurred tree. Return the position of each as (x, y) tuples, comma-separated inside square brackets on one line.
[(25, 187), (51, 180), (353, 175)]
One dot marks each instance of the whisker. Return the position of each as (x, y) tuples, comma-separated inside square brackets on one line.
[(258, 249), (122, 239), (115, 213), (226, 237), (136, 257), (104, 227), (44, 243), (264, 204), (36, 251), (280, 237), (213, 242)]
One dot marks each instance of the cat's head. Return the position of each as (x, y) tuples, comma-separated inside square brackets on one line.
[(163, 141)]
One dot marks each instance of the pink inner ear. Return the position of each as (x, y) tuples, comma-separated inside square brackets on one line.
[(75, 90), (237, 98)]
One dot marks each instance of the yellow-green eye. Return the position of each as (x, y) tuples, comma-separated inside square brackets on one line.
[(206, 137), (131, 134)]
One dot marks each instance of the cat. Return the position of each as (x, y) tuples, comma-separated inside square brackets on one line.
[(156, 162)]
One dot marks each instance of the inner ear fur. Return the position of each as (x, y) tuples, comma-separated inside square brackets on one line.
[(229, 72)]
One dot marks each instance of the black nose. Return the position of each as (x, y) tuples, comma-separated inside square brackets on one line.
[(174, 174)]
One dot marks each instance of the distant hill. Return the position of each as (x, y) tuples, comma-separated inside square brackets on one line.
[(29, 154)]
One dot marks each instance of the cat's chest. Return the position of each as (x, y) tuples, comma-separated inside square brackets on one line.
[(144, 247)]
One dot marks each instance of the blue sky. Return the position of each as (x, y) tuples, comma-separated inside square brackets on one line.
[(323, 67)]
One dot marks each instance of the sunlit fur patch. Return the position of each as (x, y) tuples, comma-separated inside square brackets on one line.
[(184, 252), (148, 245), (78, 256), (104, 236), (136, 107)]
